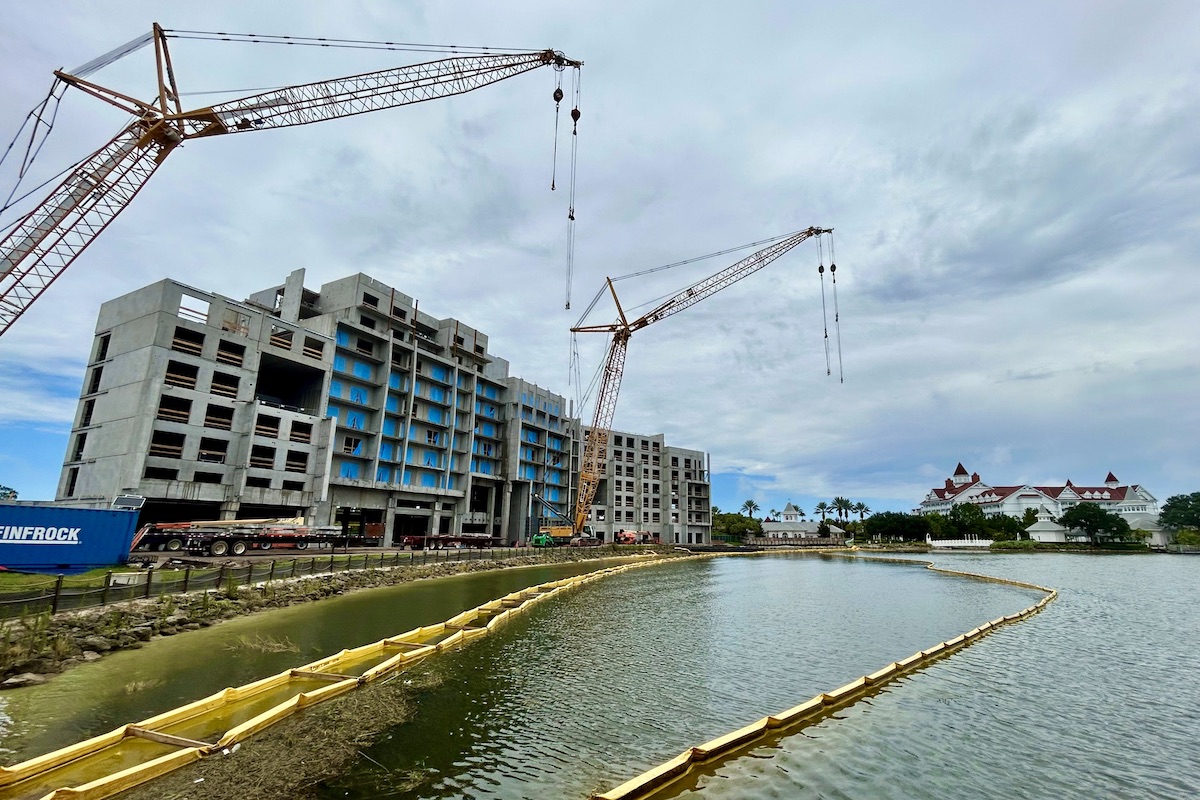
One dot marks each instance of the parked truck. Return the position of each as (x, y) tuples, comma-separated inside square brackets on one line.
[(237, 537)]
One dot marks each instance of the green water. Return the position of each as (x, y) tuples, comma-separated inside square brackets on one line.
[(586, 692), (1094, 697), (136, 684)]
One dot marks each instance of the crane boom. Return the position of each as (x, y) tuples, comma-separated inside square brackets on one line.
[(54, 233), (596, 442), (48, 239), (345, 97)]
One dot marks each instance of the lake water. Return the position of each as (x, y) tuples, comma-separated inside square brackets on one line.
[(1094, 697)]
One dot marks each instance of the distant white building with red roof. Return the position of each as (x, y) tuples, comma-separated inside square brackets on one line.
[(1133, 502)]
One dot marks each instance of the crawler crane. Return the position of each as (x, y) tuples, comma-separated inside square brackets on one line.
[(49, 238), (596, 442)]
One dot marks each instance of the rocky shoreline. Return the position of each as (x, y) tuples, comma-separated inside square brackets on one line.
[(35, 647)]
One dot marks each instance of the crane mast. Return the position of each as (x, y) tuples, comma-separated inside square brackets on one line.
[(51, 236), (596, 441)]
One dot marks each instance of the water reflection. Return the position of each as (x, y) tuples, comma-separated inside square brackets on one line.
[(594, 688)]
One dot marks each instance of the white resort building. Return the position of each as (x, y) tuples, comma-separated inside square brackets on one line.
[(1132, 502), (794, 526)]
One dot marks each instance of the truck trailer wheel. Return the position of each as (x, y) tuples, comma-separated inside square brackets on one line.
[(174, 544), (301, 545), (218, 548), (264, 546), (239, 548)]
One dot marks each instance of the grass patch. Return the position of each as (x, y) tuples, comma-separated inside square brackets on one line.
[(264, 644)]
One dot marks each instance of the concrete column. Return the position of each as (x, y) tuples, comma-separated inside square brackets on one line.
[(505, 509)]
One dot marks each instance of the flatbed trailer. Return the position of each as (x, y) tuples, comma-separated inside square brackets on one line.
[(441, 541), (237, 537)]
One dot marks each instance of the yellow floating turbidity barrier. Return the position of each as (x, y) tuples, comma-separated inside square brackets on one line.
[(659, 778), (108, 764), (132, 754)]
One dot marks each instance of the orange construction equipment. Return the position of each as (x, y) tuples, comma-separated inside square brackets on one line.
[(614, 365), (49, 238)]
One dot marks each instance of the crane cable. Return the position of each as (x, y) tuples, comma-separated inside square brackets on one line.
[(824, 314), (837, 324), (33, 147), (558, 96), (571, 202), (346, 44)]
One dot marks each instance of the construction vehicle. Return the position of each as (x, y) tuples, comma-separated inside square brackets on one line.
[(443, 541), (238, 536), (49, 238), (555, 535), (622, 329)]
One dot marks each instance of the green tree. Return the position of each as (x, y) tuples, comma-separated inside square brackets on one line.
[(843, 506), (7, 493), (894, 526), (735, 526), (822, 508), (774, 513), (749, 508), (940, 526), (1100, 525), (1028, 518), (1004, 528), (1181, 511), (862, 509), (967, 520)]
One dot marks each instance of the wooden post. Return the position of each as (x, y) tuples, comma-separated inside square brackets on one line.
[(57, 594), (221, 579), (149, 579), (104, 594), (271, 574), (187, 578)]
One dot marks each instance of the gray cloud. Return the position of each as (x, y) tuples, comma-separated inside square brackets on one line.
[(1014, 205)]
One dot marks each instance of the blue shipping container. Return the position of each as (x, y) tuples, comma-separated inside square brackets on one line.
[(51, 539)]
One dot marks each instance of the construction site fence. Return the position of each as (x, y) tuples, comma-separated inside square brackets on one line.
[(660, 779), (67, 593)]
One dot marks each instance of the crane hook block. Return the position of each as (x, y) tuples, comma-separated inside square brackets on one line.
[(558, 95), (821, 269), (575, 114), (832, 268)]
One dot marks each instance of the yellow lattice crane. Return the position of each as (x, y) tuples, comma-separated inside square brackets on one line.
[(51, 236), (596, 442)]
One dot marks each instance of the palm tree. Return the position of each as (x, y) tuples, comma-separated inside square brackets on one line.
[(774, 513), (862, 509), (822, 508), (749, 508), (843, 507)]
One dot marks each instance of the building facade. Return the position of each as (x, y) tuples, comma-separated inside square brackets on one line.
[(1133, 502), (344, 405), (650, 487)]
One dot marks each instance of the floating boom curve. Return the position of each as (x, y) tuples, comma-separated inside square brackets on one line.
[(610, 383), (61, 227)]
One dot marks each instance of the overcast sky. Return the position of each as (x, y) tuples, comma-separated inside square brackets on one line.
[(1013, 186)]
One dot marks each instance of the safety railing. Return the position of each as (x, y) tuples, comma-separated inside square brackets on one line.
[(64, 593)]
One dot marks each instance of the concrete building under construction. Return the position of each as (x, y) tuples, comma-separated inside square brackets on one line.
[(347, 404), (650, 487)]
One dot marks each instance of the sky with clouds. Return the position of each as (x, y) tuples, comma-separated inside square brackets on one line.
[(1013, 188)]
